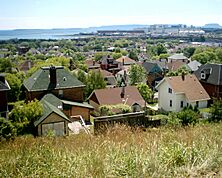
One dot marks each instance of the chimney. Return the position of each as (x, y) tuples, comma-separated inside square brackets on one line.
[(183, 76), (123, 61), (122, 94), (93, 62), (52, 73)]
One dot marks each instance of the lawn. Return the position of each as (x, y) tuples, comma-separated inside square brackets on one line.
[(158, 152)]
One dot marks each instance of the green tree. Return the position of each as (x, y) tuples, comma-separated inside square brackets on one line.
[(205, 57), (81, 76), (188, 116), (163, 56), (189, 51), (116, 55), (15, 84), (136, 74), (23, 115), (133, 55), (94, 80), (160, 49), (7, 130), (179, 72), (145, 91), (216, 111), (6, 65)]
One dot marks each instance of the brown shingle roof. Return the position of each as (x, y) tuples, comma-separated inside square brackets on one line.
[(190, 86), (112, 96), (126, 60), (174, 65)]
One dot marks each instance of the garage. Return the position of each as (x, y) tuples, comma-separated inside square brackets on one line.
[(57, 129)]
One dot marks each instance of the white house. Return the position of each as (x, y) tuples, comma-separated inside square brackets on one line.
[(176, 92)]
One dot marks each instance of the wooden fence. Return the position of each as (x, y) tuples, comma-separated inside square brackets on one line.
[(132, 119)]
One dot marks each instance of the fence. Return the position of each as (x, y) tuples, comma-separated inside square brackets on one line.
[(132, 119)]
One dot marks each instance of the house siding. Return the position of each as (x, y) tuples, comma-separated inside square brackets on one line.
[(75, 110), (165, 97), (53, 118), (72, 94), (215, 91)]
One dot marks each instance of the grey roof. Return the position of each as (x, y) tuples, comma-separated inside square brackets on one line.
[(84, 105), (40, 80), (111, 80), (48, 109), (177, 57), (150, 65), (3, 83), (214, 72), (194, 65)]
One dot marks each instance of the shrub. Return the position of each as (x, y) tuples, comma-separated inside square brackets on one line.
[(7, 130), (216, 111)]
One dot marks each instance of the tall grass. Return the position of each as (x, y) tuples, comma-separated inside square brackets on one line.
[(163, 152)]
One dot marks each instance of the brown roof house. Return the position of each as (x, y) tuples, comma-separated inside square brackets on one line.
[(125, 61), (108, 77), (92, 64), (176, 92), (123, 95), (4, 87), (210, 76)]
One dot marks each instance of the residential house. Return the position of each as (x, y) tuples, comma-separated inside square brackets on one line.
[(58, 113), (53, 120), (174, 93), (154, 73), (122, 95), (178, 57), (54, 80), (26, 65), (125, 61), (92, 64), (175, 65), (108, 77), (210, 76), (4, 88), (194, 65), (110, 64)]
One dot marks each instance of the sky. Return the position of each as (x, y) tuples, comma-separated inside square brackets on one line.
[(43, 14)]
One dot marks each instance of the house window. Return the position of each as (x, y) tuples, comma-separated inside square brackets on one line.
[(60, 93), (170, 103), (197, 104), (169, 90), (181, 104), (203, 75)]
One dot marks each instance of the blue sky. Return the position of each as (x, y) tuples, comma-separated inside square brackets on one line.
[(85, 13)]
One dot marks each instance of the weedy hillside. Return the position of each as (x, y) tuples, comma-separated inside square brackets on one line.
[(161, 152)]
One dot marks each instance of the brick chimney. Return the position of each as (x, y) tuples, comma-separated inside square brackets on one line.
[(122, 94), (52, 73), (183, 76)]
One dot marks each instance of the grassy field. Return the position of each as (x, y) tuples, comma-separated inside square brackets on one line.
[(162, 152)]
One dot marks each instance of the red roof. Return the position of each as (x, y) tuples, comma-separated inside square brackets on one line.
[(112, 96)]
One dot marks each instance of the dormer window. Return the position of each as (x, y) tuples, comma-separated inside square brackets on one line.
[(203, 75), (169, 90)]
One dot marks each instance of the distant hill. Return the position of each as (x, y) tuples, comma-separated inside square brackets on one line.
[(117, 27), (212, 25)]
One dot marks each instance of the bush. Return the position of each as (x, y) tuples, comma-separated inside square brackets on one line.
[(108, 110), (7, 130), (216, 111)]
